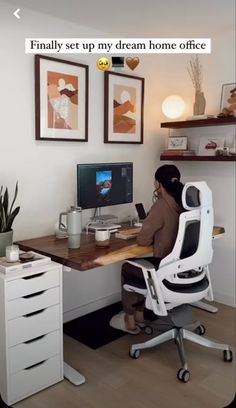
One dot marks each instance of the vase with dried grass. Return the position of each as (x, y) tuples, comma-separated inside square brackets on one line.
[(195, 73)]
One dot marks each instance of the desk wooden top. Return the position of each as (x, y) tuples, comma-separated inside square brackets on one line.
[(88, 256)]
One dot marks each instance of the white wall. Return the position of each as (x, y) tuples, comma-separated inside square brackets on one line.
[(46, 171)]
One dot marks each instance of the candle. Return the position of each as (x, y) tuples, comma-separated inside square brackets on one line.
[(12, 253)]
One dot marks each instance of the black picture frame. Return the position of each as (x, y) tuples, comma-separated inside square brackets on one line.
[(61, 100), (123, 108)]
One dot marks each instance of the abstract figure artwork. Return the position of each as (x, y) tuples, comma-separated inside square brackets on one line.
[(61, 99)]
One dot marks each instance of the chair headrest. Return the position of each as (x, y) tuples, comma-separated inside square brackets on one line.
[(196, 195)]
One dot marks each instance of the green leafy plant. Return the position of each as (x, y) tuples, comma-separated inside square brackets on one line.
[(7, 213)]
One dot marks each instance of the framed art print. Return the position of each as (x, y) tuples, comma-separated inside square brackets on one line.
[(61, 100), (228, 98), (123, 108), (208, 145), (177, 143)]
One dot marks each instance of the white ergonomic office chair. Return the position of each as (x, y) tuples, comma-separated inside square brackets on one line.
[(183, 276)]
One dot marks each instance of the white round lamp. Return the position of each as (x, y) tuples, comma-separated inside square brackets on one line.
[(173, 106)]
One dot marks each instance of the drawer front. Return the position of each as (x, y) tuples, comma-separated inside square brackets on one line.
[(31, 380), (32, 284), (30, 303), (32, 352), (31, 326)]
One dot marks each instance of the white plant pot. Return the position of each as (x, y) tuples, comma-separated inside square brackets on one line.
[(6, 238)]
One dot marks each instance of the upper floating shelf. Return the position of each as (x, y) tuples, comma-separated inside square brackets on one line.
[(200, 123), (199, 158)]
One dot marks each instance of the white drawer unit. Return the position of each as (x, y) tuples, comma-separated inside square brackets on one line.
[(29, 284), (32, 351), (35, 378), (31, 342), (32, 303), (33, 324)]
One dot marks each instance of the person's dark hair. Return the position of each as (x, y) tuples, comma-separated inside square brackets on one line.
[(169, 176)]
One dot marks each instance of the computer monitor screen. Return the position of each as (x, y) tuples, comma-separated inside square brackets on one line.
[(104, 184)]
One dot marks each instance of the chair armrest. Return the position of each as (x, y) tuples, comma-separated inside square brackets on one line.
[(141, 263)]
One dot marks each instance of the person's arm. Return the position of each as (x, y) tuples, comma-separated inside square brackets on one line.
[(151, 225)]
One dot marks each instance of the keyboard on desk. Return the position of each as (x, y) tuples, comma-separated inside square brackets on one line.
[(128, 233)]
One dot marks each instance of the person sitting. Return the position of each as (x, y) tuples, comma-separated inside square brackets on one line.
[(159, 228)]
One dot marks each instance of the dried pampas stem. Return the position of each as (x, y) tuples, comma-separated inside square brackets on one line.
[(195, 72)]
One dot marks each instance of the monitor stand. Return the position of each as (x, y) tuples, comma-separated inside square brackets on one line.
[(104, 217), (105, 225), (106, 221)]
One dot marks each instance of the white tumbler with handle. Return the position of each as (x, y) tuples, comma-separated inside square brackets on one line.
[(73, 226)]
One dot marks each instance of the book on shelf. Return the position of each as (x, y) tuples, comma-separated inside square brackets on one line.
[(179, 152)]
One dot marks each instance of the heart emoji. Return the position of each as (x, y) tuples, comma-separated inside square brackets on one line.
[(132, 62)]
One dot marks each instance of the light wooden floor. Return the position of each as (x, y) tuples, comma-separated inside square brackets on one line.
[(114, 380)]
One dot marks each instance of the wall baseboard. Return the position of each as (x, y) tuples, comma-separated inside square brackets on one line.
[(115, 297), (225, 299), (90, 307)]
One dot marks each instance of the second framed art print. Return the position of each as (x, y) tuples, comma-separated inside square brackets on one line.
[(61, 100), (123, 108)]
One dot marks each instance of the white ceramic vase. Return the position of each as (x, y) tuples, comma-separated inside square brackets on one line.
[(199, 104)]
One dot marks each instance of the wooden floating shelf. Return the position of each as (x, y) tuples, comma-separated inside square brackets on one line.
[(199, 158), (200, 123)]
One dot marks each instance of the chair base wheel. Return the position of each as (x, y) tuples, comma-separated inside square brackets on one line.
[(134, 354), (148, 330), (183, 375), (228, 356), (201, 330)]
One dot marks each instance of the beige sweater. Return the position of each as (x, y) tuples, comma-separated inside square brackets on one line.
[(161, 226)]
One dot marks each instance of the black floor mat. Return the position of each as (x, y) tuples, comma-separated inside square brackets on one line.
[(93, 329)]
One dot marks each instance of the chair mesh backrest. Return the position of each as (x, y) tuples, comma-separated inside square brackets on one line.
[(191, 239)]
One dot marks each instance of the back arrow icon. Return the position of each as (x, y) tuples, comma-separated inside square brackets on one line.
[(16, 13)]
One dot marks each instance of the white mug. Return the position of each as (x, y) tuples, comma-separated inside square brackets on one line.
[(102, 237)]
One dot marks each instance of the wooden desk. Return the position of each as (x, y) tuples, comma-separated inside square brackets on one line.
[(88, 256)]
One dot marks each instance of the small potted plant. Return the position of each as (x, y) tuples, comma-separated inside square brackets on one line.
[(7, 216)]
